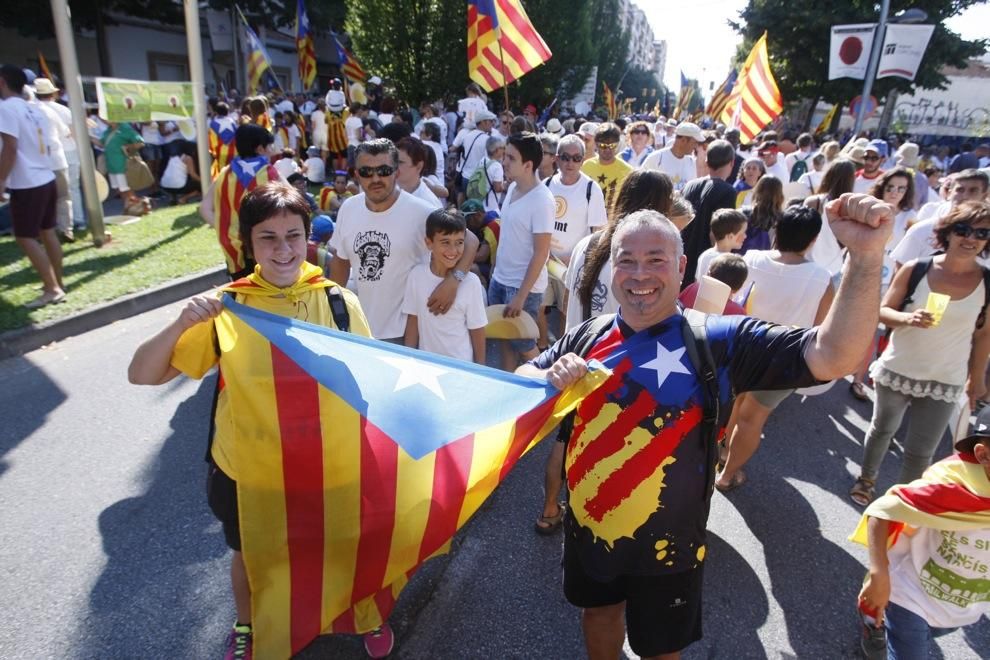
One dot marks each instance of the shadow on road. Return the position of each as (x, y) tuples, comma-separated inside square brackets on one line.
[(39, 397), (166, 559)]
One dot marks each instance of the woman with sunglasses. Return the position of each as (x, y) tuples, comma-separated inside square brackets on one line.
[(639, 144), (910, 376)]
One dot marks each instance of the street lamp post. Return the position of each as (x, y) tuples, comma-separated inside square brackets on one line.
[(906, 16)]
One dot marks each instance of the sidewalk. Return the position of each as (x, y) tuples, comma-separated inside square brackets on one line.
[(23, 340)]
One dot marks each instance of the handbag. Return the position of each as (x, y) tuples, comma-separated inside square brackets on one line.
[(138, 173)]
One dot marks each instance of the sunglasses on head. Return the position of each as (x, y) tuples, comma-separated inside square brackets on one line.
[(965, 231), (382, 171), (607, 145), (567, 158)]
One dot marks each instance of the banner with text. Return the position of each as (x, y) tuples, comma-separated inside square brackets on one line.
[(903, 48)]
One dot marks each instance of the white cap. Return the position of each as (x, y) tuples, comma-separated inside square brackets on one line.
[(554, 127), (375, 80), (688, 129)]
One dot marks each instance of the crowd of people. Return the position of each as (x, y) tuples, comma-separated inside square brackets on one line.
[(605, 233)]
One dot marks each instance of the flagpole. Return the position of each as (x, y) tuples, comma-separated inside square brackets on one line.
[(195, 45), (505, 83)]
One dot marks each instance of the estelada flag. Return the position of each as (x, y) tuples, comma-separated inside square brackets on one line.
[(502, 44), (755, 99), (609, 98), (356, 461)]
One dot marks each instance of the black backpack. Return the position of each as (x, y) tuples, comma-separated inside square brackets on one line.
[(341, 318)]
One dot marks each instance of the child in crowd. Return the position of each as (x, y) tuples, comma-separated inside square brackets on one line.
[(727, 268), (728, 231), (315, 167), (286, 165), (331, 197), (486, 227), (460, 332), (929, 543), (274, 221), (298, 181), (318, 252)]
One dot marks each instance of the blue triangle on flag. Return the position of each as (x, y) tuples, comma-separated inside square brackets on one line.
[(421, 400)]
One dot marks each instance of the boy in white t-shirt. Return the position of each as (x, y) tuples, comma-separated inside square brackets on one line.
[(315, 167), (728, 230), (460, 333), (929, 561)]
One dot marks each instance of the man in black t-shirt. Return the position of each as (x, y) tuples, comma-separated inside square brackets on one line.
[(707, 194), (637, 466)]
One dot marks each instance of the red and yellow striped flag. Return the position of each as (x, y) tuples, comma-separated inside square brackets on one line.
[(502, 43), (609, 98), (720, 99), (356, 461), (755, 100), (827, 120)]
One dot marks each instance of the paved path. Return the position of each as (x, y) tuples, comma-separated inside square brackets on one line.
[(107, 548)]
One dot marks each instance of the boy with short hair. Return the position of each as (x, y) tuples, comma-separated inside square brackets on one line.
[(331, 197), (317, 250), (459, 333), (929, 544), (728, 231)]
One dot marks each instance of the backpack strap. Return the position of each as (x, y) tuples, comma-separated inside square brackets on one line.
[(699, 351), (918, 273), (338, 308), (986, 299), (464, 156)]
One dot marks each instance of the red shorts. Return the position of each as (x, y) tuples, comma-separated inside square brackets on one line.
[(33, 210)]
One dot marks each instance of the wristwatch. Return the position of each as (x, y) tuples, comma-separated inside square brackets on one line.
[(459, 275)]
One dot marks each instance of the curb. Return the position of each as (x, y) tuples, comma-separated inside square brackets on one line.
[(23, 340)]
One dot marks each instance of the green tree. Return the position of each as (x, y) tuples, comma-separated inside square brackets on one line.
[(798, 42), (420, 46), (613, 44), (633, 85)]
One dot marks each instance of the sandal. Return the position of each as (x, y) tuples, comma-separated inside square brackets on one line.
[(858, 390), (547, 525), (45, 299), (738, 479), (863, 491)]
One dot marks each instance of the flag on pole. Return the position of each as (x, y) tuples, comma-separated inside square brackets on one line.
[(755, 99), (358, 460), (260, 75), (349, 66), (827, 121), (305, 47), (721, 96), (609, 98), (43, 65), (684, 97), (502, 44)]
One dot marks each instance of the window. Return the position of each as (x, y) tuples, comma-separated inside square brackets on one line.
[(168, 67)]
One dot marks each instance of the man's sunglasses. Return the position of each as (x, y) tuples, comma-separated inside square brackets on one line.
[(567, 158), (382, 171), (607, 145), (965, 231), (871, 158), (640, 131)]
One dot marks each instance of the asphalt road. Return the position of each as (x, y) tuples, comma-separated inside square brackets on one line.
[(107, 548)]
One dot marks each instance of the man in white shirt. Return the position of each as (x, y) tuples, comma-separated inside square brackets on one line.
[(579, 204), (967, 186), (872, 158), (353, 127), (429, 114), (471, 145), (383, 231), (677, 160), (25, 173), (804, 153), (769, 153), (663, 133), (520, 275)]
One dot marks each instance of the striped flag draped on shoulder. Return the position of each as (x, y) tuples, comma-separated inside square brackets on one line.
[(502, 43), (756, 99)]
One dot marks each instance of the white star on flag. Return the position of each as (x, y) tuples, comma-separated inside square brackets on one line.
[(250, 167), (412, 373), (666, 363)]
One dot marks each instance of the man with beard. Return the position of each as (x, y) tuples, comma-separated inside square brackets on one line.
[(382, 232)]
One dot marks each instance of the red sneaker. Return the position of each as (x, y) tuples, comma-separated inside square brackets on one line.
[(378, 643)]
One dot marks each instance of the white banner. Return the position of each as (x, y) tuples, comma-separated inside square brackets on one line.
[(903, 48), (849, 54), (221, 37)]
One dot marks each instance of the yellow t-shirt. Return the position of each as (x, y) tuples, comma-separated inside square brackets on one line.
[(195, 353), (609, 177)]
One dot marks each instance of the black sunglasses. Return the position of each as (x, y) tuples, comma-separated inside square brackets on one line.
[(965, 231), (570, 159), (640, 131), (382, 171)]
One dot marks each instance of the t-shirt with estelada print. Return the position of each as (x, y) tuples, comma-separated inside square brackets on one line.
[(608, 177), (636, 464), (383, 247)]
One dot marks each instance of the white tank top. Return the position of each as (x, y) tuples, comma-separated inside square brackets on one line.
[(787, 294)]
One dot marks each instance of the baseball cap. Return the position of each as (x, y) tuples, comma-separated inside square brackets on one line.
[(335, 100), (671, 122), (313, 151), (375, 80), (981, 431), (879, 147), (767, 146), (531, 108), (688, 129), (321, 228), (472, 206)]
